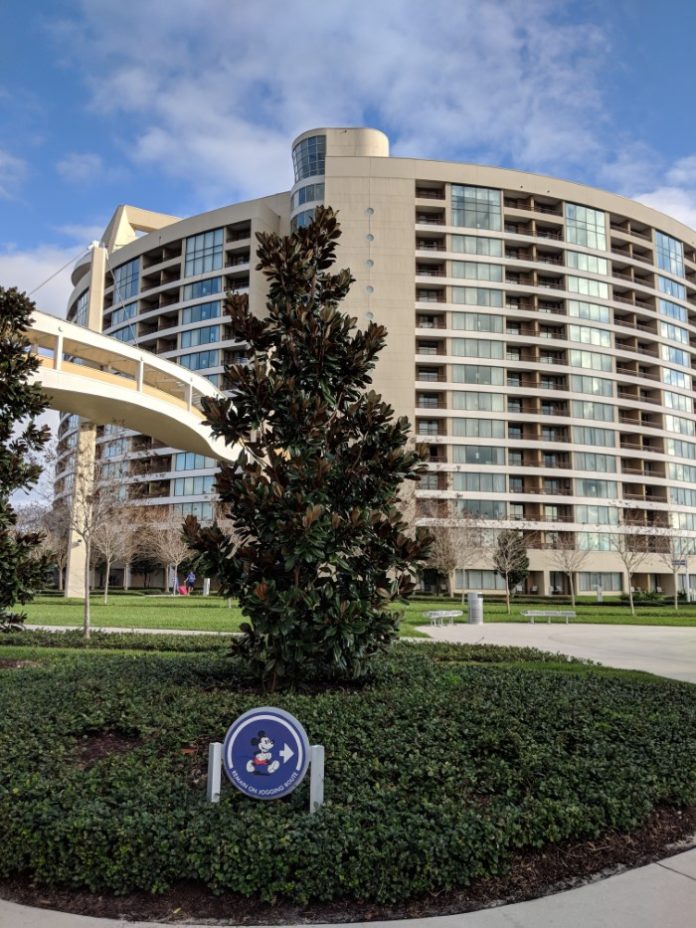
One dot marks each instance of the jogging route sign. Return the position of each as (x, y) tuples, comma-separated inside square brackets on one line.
[(266, 753)]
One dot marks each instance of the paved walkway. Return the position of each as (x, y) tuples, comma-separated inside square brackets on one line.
[(663, 650), (661, 895)]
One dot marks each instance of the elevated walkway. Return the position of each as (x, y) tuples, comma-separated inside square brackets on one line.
[(107, 381)]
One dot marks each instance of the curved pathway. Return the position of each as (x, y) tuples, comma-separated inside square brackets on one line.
[(663, 650)]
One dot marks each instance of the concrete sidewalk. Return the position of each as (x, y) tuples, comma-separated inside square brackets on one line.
[(661, 895), (663, 650)]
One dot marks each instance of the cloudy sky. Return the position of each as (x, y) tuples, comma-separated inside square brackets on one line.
[(184, 105)]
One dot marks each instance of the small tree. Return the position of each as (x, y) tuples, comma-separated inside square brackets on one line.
[(162, 540), (568, 559), (510, 560), (458, 542), (633, 549), (22, 568), (313, 496), (115, 540), (673, 550)]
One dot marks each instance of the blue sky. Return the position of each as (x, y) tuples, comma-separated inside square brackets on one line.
[(184, 105)]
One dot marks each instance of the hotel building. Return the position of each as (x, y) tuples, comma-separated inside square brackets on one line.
[(541, 339)]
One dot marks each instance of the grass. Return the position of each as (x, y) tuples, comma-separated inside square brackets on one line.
[(212, 614)]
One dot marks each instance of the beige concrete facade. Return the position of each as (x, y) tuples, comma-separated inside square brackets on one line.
[(542, 336)]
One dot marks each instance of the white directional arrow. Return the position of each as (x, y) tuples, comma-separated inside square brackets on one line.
[(286, 753)]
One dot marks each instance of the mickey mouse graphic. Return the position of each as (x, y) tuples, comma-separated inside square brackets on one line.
[(262, 763)]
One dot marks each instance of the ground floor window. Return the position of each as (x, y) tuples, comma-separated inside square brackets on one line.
[(478, 580), (610, 583)]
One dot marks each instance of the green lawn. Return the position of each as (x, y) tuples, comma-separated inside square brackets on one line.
[(212, 614)]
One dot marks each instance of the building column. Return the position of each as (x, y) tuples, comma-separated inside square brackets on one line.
[(82, 488)]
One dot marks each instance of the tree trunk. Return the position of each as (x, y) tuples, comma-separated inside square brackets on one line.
[(572, 589), (60, 579), (448, 575), (106, 582), (630, 596), (676, 591), (507, 596), (86, 617)]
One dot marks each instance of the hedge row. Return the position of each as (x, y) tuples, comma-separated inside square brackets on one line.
[(435, 773)]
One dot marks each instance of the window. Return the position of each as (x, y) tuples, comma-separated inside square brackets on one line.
[(679, 424), (476, 207), (590, 359), (684, 472), (675, 355), (203, 253), (674, 332), (608, 582), (478, 402), (202, 288), (585, 226), (475, 245), (479, 483), (202, 511), (477, 322), (676, 378), (515, 432), (601, 438), (428, 482), (187, 460), (592, 311), (310, 193), (594, 541), (482, 508), (478, 580), (302, 220), (515, 458), (123, 314), (588, 487), (477, 296), (596, 386), (202, 336), (589, 336), (598, 463), (476, 348), (475, 270), (680, 449), (670, 254), (192, 486), (308, 157), (428, 401), (683, 496), (596, 515), (200, 360), (678, 401), (671, 287), (124, 335), (587, 287), (428, 427), (673, 311), (200, 313), (583, 262), (126, 281), (478, 428), (478, 454), (115, 449), (475, 373), (583, 409)]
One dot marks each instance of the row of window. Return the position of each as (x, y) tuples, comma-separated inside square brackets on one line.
[(587, 582)]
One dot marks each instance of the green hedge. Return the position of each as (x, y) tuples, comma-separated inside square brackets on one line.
[(436, 772), (114, 641)]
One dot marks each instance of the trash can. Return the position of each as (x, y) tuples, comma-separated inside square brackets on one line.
[(475, 603)]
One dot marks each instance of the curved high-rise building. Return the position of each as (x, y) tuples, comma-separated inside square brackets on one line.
[(542, 336)]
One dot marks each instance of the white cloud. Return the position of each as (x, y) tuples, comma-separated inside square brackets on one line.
[(12, 173), (27, 269), (213, 92), (80, 168)]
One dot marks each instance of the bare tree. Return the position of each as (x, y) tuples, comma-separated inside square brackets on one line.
[(115, 540), (633, 549), (162, 539), (568, 559), (673, 550), (511, 560)]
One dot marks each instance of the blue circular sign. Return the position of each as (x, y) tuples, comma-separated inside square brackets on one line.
[(266, 753)]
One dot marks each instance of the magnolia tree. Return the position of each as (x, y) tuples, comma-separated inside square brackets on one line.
[(319, 550), (22, 567)]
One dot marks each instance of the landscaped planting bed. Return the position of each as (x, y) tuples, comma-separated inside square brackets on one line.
[(450, 767)]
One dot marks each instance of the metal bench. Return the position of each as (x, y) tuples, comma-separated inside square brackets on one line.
[(437, 618), (548, 614)]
